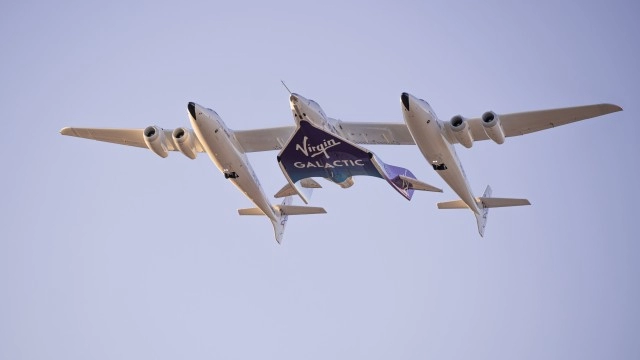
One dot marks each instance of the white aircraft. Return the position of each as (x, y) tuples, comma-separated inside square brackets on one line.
[(320, 147), (435, 139), (225, 148)]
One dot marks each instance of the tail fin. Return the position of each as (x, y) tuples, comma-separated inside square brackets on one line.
[(285, 209), (281, 221), (481, 218), (282, 214), (485, 202)]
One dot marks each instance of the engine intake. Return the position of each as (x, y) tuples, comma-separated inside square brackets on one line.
[(156, 141), (185, 141), (460, 129), (492, 127)]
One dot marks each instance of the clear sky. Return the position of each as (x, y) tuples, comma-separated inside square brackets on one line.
[(110, 252)]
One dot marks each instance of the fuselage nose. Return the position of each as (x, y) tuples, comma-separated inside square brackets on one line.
[(192, 109), (296, 102), (298, 106), (405, 100)]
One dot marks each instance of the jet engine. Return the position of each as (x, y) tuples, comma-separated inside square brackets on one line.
[(156, 141), (460, 128), (185, 141), (492, 127)]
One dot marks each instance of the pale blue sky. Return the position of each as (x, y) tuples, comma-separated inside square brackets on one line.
[(112, 252)]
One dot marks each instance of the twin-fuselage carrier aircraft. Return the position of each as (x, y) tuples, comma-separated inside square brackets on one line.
[(320, 146)]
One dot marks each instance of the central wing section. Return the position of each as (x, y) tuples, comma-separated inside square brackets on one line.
[(313, 152), (375, 133)]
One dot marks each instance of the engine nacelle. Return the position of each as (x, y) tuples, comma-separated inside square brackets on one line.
[(460, 128), (185, 141), (492, 127), (156, 141)]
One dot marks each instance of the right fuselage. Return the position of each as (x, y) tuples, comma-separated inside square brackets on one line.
[(224, 151), (428, 133)]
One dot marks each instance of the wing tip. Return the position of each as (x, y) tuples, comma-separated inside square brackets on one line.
[(66, 131), (611, 108)]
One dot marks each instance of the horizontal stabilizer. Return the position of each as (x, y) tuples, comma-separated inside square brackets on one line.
[(484, 202), (250, 211), (286, 210), (492, 202), (300, 210), (416, 184), (455, 204)]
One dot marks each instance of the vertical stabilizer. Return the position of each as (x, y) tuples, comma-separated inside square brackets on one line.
[(280, 222), (282, 213), (278, 228), (481, 218), (483, 204)]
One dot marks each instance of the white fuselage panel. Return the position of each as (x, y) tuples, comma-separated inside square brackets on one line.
[(223, 150), (428, 132)]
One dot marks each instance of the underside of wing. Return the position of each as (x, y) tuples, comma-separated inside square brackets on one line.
[(130, 137), (359, 133), (531, 121), (376, 133), (264, 139)]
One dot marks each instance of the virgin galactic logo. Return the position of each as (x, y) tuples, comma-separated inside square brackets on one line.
[(307, 149), (321, 149)]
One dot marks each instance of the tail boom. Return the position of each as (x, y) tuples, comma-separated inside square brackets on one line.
[(282, 214), (485, 202)]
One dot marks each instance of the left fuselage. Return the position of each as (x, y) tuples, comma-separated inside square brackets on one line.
[(224, 151), (428, 132)]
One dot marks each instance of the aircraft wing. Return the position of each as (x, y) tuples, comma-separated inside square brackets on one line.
[(356, 132), (131, 137), (264, 139), (250, 140), (531, 121), (513, 124), (376, 133)]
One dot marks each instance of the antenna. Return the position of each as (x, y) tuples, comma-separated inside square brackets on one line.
[(285, 86)]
